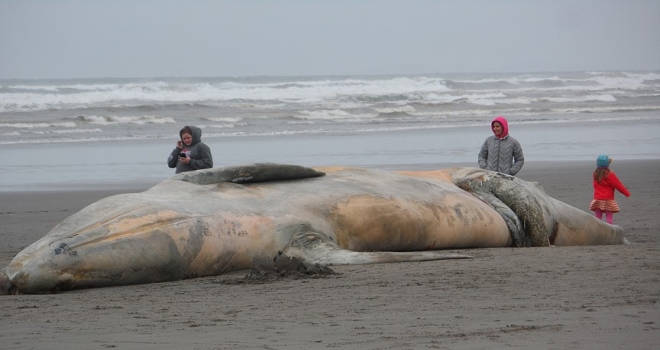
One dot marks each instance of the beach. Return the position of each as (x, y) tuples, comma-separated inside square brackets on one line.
[(595, 297), (71, 142)]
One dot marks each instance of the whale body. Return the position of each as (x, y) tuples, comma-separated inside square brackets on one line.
[(212, 221)]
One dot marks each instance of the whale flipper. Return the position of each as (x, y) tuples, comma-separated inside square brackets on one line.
[(252, 173), (314, 248)]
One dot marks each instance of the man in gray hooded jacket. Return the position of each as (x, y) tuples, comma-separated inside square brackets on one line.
[(190, 152), (501, 152)]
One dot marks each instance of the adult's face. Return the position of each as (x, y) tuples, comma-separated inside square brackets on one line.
[(497, 129), (187, 139)]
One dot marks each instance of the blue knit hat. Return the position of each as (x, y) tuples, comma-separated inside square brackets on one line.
[(603, 161)]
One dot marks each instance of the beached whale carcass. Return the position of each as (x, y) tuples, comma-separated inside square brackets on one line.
[(217, 220)]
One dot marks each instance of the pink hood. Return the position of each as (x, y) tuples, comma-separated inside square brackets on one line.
[(505, 126)]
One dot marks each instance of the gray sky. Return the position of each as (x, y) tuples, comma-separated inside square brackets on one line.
[(157, 38)]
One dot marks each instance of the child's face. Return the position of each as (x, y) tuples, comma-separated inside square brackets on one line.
[(497, 128)]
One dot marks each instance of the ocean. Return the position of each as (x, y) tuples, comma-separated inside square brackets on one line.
[(68, 133)]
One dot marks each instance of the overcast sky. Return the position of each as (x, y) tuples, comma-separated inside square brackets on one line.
[(159, 38)]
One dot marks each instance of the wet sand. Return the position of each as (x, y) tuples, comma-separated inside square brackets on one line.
[(601, 297)]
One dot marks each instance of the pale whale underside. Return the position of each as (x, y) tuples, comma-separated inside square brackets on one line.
[(212, 221)]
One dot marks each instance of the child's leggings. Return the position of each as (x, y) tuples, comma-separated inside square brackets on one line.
[(608, 215)]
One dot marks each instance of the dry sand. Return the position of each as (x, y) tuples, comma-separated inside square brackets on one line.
[(546, 298)]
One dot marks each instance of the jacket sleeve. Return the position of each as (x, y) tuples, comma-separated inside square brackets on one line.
[(614, 181), (483, 155), (205, 160), (173, 158), (518, 158)]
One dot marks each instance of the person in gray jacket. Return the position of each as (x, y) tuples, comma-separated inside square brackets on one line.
[(501, 152), (190, 152)]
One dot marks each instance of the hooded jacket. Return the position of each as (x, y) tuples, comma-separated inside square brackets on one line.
[(501, 154), (604, 190), (198, 152)]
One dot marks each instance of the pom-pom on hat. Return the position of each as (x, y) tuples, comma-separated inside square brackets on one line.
[(603, 161)]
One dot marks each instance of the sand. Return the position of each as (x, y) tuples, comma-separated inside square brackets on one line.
[(599, 297)]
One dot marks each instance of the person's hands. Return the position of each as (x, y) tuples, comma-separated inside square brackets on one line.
[(185, 160), (179, 144)]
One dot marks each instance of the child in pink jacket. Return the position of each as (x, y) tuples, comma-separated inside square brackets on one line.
[(605, 182)]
